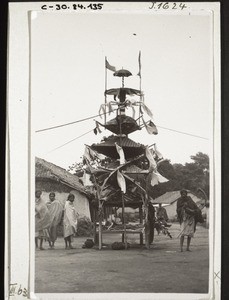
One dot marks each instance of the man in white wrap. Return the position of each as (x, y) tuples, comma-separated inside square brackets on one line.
[(70, 221), (55, 211)]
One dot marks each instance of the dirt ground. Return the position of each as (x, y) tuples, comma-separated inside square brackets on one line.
[(162, 269)]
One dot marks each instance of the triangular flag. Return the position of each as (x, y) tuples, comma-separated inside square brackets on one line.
[(121, 154), (121, 182), (109, 67)]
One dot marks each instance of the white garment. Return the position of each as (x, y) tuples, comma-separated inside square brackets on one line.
[(70, 219)]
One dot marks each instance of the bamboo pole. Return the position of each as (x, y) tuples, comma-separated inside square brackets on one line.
[(105, 116), (147, 224), (124, 221), (140, 83), (95, 234), (100, 225), (141, 221)]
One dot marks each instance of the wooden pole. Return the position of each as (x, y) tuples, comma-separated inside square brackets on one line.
[(147, 224), (141, 221), (140, 83), (95, 233), (124, 221), (105, 116), (100, 225)]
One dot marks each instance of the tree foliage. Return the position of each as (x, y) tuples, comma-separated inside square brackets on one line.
[(191, 176)]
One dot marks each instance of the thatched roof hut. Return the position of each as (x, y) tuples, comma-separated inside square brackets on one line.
[(47, 170), (52, 178)]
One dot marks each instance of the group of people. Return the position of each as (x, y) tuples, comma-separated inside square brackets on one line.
[(49, 215)]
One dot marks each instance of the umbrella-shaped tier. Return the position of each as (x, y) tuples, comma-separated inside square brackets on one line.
[(122, 73), (122, 92), (108, 147), (122, 124)]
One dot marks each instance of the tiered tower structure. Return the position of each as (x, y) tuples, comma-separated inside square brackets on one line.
[(124, 177)]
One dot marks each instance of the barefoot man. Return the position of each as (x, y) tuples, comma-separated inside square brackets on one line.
[(55, 211), (186, 211), (42, 220), (70, 221)]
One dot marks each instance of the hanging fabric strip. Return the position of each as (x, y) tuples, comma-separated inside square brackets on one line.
[(130, 104), (121, 154), (157, 178), (147, 110), (150, 158), (87, 153), (121, 182), (110, 108), (159, 155), (150, 127), (102, 108), (97, 126)]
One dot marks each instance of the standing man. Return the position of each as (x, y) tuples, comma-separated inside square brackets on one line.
[(70, 221), (186, 212), (42, 220), (162, 214), (55, 210)]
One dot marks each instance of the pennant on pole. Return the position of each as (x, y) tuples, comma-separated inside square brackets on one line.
[(139, 64), (109, 67), (121, 182), (121, 154)]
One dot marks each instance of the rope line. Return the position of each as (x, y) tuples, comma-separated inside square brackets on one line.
[(70, 123), (70, 141), (198, 136)]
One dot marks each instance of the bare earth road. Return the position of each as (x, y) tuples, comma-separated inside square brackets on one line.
[(162, 269)]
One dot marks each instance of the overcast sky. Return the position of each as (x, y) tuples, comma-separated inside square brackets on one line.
[(68, 78)]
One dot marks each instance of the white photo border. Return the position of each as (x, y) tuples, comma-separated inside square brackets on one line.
[(19, 246)]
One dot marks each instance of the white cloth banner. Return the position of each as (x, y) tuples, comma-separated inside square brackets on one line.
[(157, 178), (150, 158), (121, 182), (121, 154)]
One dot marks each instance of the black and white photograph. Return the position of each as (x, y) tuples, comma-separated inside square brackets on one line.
[(122, 119)]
